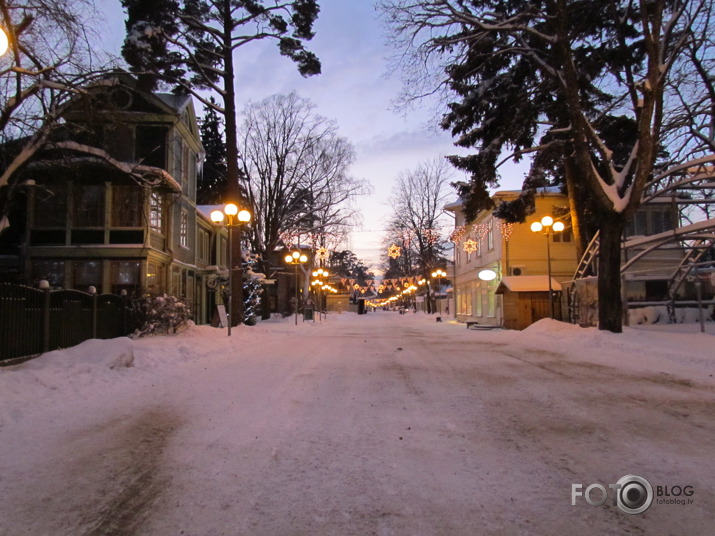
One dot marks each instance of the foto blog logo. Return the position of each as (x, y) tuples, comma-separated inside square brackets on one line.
[(632, 494)]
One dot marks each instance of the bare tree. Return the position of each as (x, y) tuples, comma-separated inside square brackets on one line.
[(50, 57), (689, 119), (295, 172), (418, 201)]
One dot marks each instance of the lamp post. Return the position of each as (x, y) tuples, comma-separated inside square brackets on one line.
[(233, 218), (547, 226), (321, 285), (295, 258), (439, 274)]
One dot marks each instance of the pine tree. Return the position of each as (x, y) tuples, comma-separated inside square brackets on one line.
[(212, 185)]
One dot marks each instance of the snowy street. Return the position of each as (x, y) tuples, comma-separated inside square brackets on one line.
[(380, 424)]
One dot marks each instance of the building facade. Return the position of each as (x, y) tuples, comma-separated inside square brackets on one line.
[(112, 200), (497, 250)]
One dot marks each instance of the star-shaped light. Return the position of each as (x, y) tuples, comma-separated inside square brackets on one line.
[(470, 246), (323, 254), (394, 251)]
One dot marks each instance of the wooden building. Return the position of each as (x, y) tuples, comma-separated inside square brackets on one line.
[(112, 198)]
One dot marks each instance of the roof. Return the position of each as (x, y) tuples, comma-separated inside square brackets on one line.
[(527, 283), (457, 204), (177, 102)]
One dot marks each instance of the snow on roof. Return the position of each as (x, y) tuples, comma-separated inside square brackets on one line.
[(527, 283)]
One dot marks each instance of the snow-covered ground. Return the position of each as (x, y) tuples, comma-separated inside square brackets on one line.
[(379, 424)]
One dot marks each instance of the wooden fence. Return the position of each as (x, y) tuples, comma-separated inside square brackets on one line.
[(34, 321)]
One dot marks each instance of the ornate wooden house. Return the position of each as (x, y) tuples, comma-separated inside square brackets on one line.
[(112, 201)]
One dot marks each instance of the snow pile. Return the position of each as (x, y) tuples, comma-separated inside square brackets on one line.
[(674, 349)]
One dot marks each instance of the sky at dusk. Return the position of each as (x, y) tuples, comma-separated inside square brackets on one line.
[(356, 90)]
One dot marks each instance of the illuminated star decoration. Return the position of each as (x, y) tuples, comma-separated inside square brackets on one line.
[(322, 254), (470, 246), (394, 251)]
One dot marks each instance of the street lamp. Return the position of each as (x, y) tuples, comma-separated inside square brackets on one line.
[(295, 258), (547, 226), (3, 42), (439, 274), (232, 218), (321, 285)]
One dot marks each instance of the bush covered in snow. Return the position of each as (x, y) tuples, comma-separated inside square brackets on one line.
[(160, 314)]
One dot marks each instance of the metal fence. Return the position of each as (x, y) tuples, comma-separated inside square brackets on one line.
[(34, 321)]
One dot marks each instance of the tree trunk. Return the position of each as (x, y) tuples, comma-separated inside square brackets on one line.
[(232, 170), (265, 298), (576, 208), (610, 301)]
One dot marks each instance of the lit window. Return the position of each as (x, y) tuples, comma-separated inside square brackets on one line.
[(154, 277), (125, 276), (184, 229), (155, 211), (87, 274), (51, 271)]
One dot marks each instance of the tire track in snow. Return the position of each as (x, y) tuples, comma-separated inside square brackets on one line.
[(132, 466)]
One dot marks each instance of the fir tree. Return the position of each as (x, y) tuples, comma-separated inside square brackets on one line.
[(211, 187)]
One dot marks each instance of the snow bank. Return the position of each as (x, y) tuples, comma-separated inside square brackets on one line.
[(674, 349)]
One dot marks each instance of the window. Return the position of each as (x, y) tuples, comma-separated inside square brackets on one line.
[(154, 277), (125, 276), (185, 169), (189, 284), (661, 221), (193, 165), (52, 271), (563, 236), (127, 204), (88, 205), (477, 297), (221, 254), (176, 282), (151, 145), (50, 205), (490, 235), (155, 212), (86, 274), (464, 297), (203, 246), (119, 141), (491, 301), (178, 155), (184, 229), (637, 225)]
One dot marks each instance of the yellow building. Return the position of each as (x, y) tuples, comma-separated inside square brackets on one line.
[(512, 259)]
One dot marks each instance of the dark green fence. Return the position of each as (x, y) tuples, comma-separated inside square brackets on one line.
[(34, 321)]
